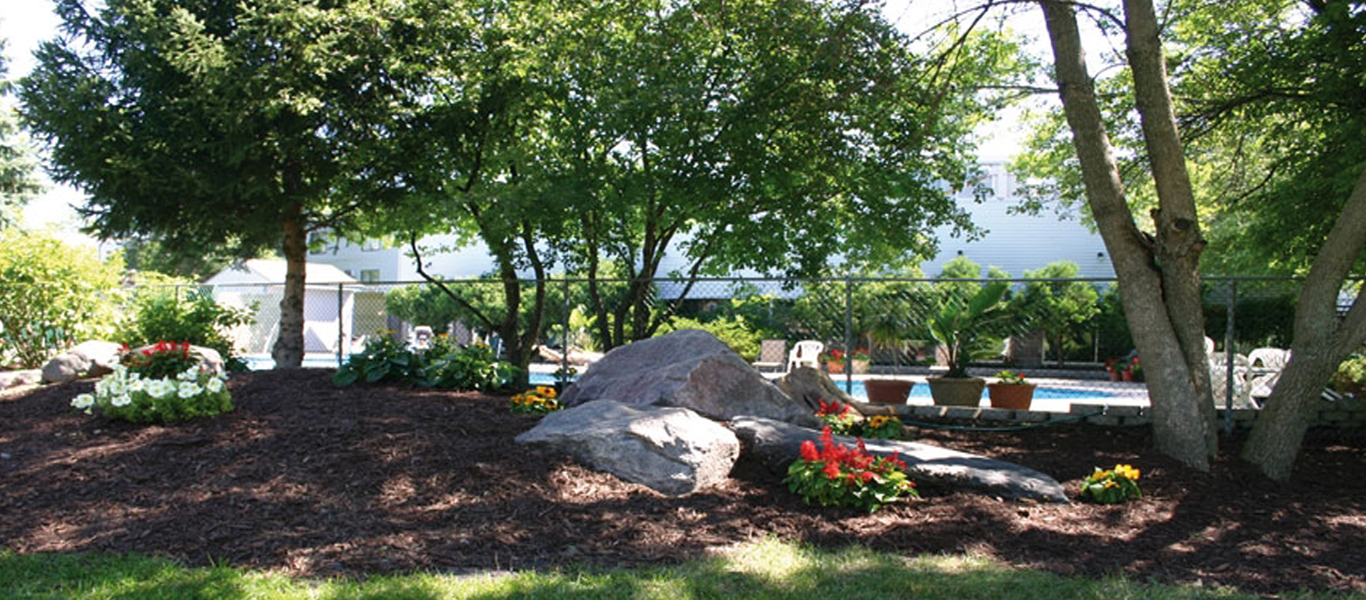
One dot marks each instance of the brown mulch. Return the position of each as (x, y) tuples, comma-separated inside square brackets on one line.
[(311, 479)]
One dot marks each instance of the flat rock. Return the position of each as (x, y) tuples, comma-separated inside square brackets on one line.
[(87, 359), (690, 369), (673, 451), (778, 444), (808, 386), (11, 379)]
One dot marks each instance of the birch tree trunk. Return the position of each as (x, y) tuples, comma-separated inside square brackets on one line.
[(1158, 279), (289, 345)]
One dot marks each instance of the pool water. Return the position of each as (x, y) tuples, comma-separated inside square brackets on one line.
[(920, 390)]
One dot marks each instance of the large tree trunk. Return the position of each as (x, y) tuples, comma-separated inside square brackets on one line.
[(1183, 415), (1321, 343), (289, 345)]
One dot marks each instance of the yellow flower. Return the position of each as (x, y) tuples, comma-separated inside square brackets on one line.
[(1110, 483), (548, 392), (878, 421), (1127, 471)]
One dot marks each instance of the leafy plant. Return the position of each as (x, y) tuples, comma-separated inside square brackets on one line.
[(862, 354), (384, 359), (472, 367), (1010, 378), (836, 475), (162, 313), (883, 427), (963, 327), (1351, 375), (53, 296), (1112, 487), (834, 355), (734, 331), (129, 395), (838, 416), (538, 401)]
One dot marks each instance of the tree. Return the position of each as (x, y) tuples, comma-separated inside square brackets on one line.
[(221, 123), (759, 135), (17, 165), (1158, 274), (1313, 80)]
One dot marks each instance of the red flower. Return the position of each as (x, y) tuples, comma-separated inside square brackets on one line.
[(832, 470), (866, 476), (809, 452)]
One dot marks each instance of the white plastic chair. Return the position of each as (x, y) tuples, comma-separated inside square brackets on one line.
[(1264, 367), (805, 353), (1218, 376)]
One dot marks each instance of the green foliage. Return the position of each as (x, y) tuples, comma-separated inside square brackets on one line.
[(1112, 487), (1112, 327), (836, 475), (1010, 378), (1351, 375), (1064, 309), (1260, 320), (161, 312), (384, 359), (149, 255), (472, 367), (52, 296), (18, 164), (882, 427), (734, 331), (163, 360), (139, 395), (965, 326)]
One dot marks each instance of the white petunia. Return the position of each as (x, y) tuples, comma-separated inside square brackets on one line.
[(190, 374), (214, 385), (160, 388), (137, 385), (123, 400), (189, 389), (83, 401)]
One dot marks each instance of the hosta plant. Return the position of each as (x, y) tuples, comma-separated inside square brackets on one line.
[(883, 427), (837, 475), (383, 359), (537, 401), (128, 395), (838, 416), (1119, 484)]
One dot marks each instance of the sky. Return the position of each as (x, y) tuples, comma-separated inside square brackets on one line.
[(26, 23)]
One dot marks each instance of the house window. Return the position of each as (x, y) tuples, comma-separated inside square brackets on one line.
[(371, 245), (369, 275)]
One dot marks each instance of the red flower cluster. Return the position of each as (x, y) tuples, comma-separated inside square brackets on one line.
[(834, 408), (853, 465)]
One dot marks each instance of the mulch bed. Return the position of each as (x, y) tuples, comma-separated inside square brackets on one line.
[(315, 480)]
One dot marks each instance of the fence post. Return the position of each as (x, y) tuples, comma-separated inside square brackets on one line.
[(848, 333), (341, 327), (564, 341), (1229, 353)]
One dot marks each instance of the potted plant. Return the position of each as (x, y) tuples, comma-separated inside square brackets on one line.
[(961, 327), (1115, 370), (1133, 371), (888, 391), (1011, 391), (862, 360), (834, 361)]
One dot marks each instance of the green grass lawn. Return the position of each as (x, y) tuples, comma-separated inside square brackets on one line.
[(768, 569)]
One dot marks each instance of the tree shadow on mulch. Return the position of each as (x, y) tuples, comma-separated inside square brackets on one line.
[(316, 480)]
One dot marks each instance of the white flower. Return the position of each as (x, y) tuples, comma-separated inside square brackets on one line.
[(136, 385), (189, 389), (214, 385), (83, 401), (123, 400), (190, 374), (160, 388)]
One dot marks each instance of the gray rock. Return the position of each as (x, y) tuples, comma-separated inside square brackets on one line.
[(88, 359), (687, 368), (674, 451), (778, 444), (808, 387), (17, 378)]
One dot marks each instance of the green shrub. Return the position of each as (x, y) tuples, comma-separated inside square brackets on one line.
[(734, 331), (52, 296), (161, 312), (384, 359), (1351, 375), (128, 395), (472, 367)]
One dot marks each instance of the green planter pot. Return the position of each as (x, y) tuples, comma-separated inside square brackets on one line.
[(956, 392)]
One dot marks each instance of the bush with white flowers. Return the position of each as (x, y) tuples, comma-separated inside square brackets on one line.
[(125, 394)]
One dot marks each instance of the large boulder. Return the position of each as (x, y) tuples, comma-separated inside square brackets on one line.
[(673, 451), (88, 359), (778, 444), (808, 387), (687, 368), (12, 379)]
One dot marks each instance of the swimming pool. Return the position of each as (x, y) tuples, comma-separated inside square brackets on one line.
[(920, 390)]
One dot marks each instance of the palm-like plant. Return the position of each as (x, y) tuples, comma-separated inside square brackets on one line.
[(964, 327)]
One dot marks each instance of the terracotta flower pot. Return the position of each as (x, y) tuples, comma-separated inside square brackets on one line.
[(1013, 396), (834, 367), (861, 366), (888, 391), (956, 391), (1126, 375)]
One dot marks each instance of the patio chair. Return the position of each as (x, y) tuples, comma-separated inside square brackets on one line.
[(806, 352), (1218, 376), (1264, 367), (771, 353)]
